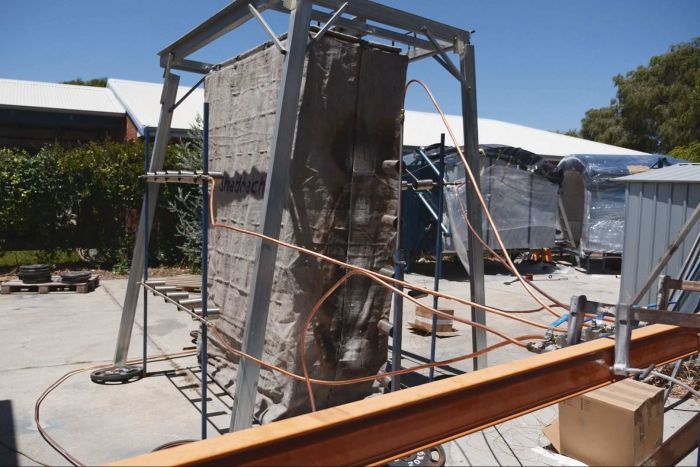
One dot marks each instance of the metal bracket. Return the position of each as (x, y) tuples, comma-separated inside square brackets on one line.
[(577, 315), (443, 59), (267, 28), (331, 21)]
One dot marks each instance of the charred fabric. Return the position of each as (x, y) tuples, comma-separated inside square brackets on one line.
[(348, 123)]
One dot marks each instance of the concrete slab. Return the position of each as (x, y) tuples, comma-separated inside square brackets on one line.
[(45, 336), (49, 335)]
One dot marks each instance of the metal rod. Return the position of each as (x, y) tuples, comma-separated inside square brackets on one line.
[(476, 251), (330, 22), (438, 253), (446, 66), (267, 28), (397, 299), (187, 94), (205, 263), (126, 324), (146, 162), (432, 212), (446, 62), (577, 315), (230, 17), (172, 301), (276, 192), (429, 162)]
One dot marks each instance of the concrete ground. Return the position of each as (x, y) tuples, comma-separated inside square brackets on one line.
[(45, 336)]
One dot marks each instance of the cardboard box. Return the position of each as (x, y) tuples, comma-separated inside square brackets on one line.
[(424, 320), (620, 424)]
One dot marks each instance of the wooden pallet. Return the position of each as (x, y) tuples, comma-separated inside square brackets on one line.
[(187, 282), (54, 286)]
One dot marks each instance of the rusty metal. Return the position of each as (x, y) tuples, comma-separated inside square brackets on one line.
[(678, 446), (380, 429)]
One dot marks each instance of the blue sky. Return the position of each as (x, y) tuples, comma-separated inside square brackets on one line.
[(541, 63)]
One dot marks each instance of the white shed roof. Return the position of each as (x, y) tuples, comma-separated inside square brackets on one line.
[(679, 173), (142, 103), (424, 128), (58, 97)]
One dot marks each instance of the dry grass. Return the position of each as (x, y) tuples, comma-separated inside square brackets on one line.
[(689, 373)]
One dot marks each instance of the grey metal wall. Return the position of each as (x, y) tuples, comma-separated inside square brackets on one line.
[(654, 213)]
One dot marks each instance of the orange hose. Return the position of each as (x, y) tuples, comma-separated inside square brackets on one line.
[(480, 197), (382, 277)]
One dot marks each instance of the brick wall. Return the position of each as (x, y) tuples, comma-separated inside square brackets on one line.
[(131, 133)]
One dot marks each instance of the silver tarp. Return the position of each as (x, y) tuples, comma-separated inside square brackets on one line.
[(348, 123), (519, 192), (594, 202)]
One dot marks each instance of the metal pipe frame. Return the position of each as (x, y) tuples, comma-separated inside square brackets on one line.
[(430, 414), (148, 210), (146, 162), (204, 356), (438, 254), (276, 191), (476, 250), (237, 13), (405, 28)]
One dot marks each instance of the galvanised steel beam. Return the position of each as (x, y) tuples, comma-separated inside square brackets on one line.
[(471, 148), (378, 429), (228, 19), (276, 194), (372, 11), (371, 30), (148, 210), (193, 66), (421, 53)]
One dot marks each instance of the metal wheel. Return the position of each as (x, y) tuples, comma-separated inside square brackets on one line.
[(434, 456), (119, 374)]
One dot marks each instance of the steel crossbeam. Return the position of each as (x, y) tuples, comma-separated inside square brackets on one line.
[(434, 413)]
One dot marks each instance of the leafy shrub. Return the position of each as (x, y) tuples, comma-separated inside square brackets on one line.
[(87, 198)]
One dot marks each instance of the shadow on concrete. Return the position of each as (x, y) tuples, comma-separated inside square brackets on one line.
[(8, 446)]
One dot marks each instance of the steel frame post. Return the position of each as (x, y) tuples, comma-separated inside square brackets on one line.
[(205, 262), (276, 193), (146, 161), (146, 221), (399, 263), (438, 253), (476, 251), (577, 315)]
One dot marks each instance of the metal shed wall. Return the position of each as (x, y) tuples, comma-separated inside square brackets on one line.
[(655, 212)]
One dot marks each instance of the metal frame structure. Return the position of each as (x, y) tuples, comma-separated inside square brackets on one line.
[(427, 415), (627, 313), (365, 19)]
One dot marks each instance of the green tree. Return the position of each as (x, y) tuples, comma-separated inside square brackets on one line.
[(186, 202), (96, 82), (657, 106)]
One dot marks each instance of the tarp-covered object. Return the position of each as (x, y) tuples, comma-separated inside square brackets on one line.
[(520, 190), (348, 123), (594, 202)]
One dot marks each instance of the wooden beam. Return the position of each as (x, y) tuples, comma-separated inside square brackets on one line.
[(679, 445), (378, 429)]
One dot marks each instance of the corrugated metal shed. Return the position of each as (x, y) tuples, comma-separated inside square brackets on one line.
[(658, 203), (58, 97), (680, 173), (424, 128), (142, 103)]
